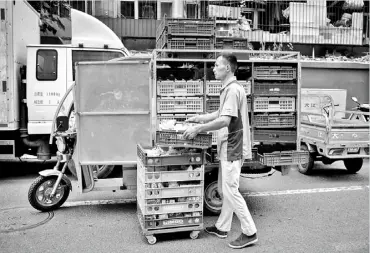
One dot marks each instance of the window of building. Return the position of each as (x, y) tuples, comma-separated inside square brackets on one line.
[(147, 9), (166, 9), (46, 65), (191, 10), (89, 7), (78, 5), (99, 11), (89, 55), (128, 9)]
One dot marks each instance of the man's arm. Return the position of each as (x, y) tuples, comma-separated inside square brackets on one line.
[(216, 124), (213, 125), (204, 117)]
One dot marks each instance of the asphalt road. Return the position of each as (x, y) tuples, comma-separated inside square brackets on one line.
[(325, 212)]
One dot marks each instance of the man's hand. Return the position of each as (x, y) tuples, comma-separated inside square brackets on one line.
[(191, 132), (195, 119)]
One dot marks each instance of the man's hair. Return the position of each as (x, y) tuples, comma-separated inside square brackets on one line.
[(231, 59)]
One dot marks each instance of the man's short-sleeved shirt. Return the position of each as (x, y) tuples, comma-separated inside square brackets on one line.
[(234, 141)]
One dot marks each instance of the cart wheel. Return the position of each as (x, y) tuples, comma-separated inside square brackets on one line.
[(151, 239), (194, 235)]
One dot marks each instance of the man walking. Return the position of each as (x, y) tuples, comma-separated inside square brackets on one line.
[(233, 146)]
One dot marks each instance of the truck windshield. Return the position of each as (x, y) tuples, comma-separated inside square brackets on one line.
[(92, 55)]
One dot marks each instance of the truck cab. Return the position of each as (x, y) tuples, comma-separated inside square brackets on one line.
[(50, 72), (34, 76)]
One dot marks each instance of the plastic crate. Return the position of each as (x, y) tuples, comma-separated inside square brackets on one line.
[(166, 160), (167, 176), (176, 139), (155, 193), (180, 26), (274, 120), (213, 104), (274, 104), (189, 43), (274, 136), (214, 138), (275, 73), (180, 88), (275, 89), (180, 104), (283, 158), (231, 43), (171, 208), (213, 87), (186, 219), (177, 117)]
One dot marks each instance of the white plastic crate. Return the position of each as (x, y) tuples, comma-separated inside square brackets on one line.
[(177, 117), (180, 88), (179, 104), (167, 192), (145, 174), (274, 104), (214, 138), (170, 208), (213, 87)]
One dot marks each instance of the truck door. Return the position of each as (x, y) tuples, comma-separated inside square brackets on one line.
[(46, 84)]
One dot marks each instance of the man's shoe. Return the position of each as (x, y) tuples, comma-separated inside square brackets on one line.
[(243, 240), (214, 231)]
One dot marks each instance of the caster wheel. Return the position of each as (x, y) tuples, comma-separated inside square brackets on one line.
[(194, 235), (151, 239)]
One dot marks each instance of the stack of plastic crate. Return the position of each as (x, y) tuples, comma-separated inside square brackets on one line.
[(179, 99), (213, 97), (275, 94), (170, 191), (185, 34)]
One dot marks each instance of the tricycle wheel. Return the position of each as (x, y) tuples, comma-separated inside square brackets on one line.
[(353, 165), (39, 193), (306, 168), (151, 239)]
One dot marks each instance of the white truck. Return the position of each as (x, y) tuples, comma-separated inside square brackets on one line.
[(34, 76)]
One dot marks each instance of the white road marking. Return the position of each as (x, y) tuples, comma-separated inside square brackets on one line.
[(304, 191), (248, 194)]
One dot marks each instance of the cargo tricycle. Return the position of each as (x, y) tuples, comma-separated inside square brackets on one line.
[(329, 138), (118, 107)]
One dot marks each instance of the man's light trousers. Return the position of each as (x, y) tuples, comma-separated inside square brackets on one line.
[(233, 201)]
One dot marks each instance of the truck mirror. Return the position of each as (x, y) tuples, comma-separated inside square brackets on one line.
[(62, 123)]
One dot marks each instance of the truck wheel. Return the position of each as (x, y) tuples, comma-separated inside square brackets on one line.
[(353, 165), (39, 193), (212, 199), (306, 168)]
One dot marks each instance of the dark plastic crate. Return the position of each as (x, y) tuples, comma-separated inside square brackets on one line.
[(213, 104), (185, 26), (274, 120), (166, 160), (274, 136), (283, 158), (176, 139), (275, 88), (274, 73), (231, 43), (189, 43)]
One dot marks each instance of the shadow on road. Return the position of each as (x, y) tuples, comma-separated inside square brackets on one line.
[(15, 169)]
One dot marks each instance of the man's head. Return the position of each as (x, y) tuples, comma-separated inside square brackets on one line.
[(225, 66)]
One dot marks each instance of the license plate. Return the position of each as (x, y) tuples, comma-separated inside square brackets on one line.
[(352, 150)]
